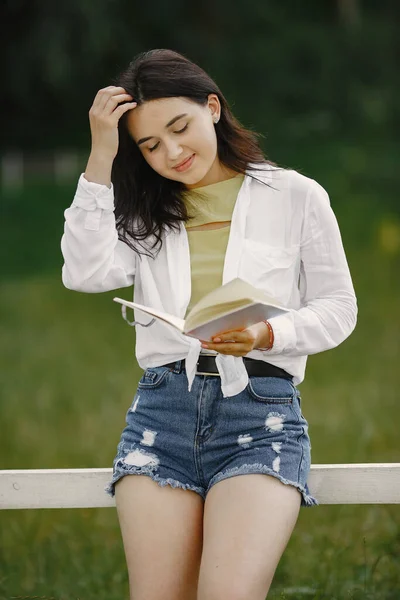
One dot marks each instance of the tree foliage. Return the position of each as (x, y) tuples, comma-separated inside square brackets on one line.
[(288, 68)]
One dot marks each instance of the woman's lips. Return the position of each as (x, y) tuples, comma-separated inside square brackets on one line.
[(186, 165)]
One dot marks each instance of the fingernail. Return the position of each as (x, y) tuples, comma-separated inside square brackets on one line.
[(217, 339)]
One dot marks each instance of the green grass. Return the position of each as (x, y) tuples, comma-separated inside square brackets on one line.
[(69, 374)]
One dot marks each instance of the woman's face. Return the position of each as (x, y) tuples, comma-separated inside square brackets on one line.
[(166, 141)]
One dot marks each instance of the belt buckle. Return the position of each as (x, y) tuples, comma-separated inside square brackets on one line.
[(208, 374)]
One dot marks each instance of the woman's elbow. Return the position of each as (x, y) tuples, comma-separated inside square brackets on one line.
[(78, 284), (350, 316), (97, 282)]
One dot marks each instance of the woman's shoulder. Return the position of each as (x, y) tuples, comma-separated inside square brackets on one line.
[(285, 178)]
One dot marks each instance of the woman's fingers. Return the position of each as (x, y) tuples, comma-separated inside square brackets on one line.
[(108, 106), (123, 108), (103, 96), (113, 102)]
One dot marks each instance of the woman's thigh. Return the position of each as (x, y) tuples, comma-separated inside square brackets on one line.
[(248, 520), (162, 532)]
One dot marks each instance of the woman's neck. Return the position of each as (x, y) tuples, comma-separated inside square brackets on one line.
[(217, 173)]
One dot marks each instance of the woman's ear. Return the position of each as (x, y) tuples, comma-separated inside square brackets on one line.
[(214, 106)]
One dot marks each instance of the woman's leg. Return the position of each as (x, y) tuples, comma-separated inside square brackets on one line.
[(162, 532), (248, 520)]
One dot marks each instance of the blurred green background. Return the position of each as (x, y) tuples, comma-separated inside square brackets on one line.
[(320, 81)]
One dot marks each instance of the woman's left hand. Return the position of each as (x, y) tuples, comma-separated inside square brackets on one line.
[(239, 342)]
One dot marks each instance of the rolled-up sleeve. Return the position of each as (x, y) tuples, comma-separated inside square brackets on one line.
[(95, 260), (329, 306)]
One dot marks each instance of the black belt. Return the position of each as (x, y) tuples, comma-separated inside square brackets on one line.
[(206, 365)]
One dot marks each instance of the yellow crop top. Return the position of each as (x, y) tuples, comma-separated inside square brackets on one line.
[(208, 246)]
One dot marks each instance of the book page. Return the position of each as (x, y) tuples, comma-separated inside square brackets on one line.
[(236, 293), (210, 313), (237, 319)]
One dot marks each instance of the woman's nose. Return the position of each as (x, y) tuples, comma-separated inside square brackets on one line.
[(174, 151)]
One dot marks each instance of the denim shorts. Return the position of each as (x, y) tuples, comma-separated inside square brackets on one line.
[(192, 440)]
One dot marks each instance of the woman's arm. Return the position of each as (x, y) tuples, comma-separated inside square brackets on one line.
[(95, 260), (329, 312)]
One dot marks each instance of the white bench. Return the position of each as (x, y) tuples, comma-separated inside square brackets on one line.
[(370, 483)]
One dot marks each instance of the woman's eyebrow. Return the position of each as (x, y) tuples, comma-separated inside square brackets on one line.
[(171, 122)]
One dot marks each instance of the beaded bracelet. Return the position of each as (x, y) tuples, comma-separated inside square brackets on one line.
[(271, 336)]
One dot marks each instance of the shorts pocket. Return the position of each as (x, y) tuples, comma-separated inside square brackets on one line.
[(271, 390), (153, 377)]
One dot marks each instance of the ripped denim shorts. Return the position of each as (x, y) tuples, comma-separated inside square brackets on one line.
[(192, 440)]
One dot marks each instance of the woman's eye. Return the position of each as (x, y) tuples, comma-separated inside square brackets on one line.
[(179, 131)]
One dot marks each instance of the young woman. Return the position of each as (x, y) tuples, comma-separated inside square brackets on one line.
[(177, 198)]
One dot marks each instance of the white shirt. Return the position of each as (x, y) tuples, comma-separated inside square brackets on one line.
[(284, 239)]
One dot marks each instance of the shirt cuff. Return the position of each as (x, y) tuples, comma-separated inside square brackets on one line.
[(284, 333), (90, 195)]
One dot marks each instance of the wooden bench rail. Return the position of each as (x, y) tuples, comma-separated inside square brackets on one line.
[(370, 483)]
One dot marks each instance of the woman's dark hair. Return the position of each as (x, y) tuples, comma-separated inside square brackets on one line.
[(146, 202)]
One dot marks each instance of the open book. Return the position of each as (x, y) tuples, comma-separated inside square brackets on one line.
[(234, 305)]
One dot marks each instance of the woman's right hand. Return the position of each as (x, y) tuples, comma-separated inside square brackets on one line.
[(104, 115)]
